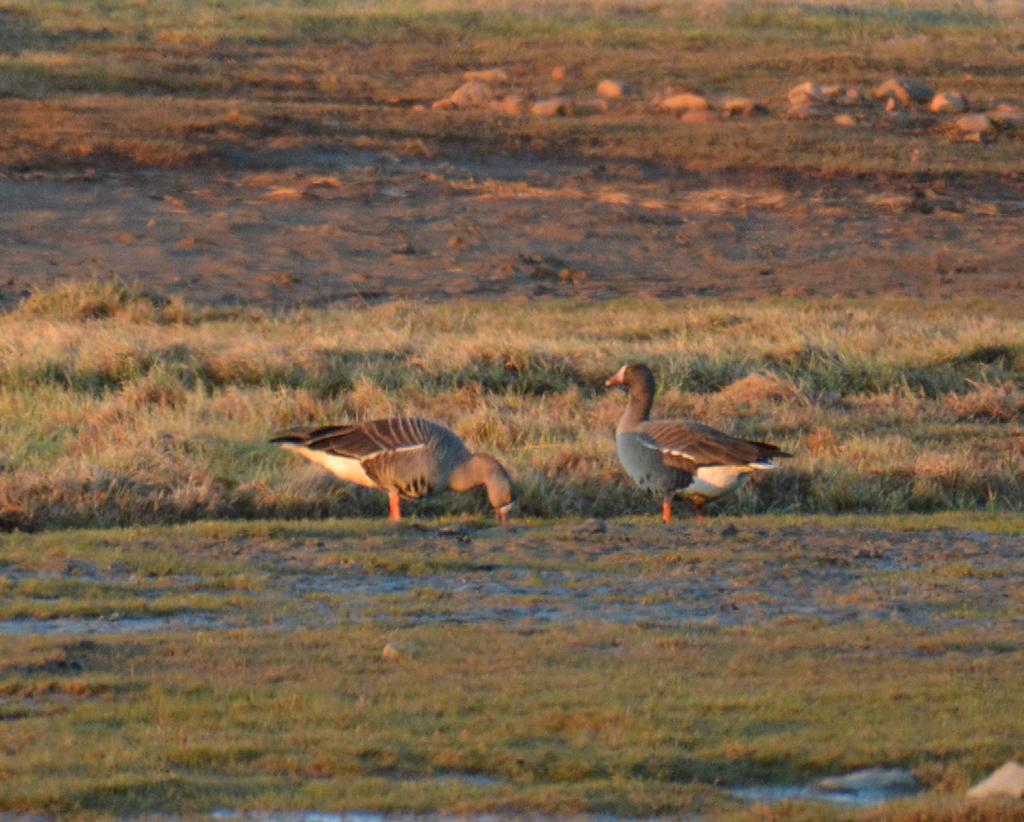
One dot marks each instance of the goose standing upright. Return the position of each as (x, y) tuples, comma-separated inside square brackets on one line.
[(677, 458), (404, 457)]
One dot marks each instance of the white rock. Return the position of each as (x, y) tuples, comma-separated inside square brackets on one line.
[(947, 101), (559, 74), (974, 124), (492, 76), (844, 120), (612, 89), (741, 107), (472, 94), (906, 90), (1006, 780), (808, 92), (683, 101), (513, 105), (552, 107)]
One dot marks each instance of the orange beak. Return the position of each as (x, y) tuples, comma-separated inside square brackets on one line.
[(618, 379)]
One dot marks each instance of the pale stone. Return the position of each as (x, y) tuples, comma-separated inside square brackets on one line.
[(472, 94), (513, 105), (446, 104), (974, 124), (1006, 781), (832, 91), (683, 101), (948, 101), (492, 76), (844, 120), (559, 74), (892, 104), (854, 95), (612, 89), (552, 107), (807, 92), (906, 90)]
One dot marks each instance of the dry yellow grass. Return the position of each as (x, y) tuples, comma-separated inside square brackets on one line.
[(139, 410)]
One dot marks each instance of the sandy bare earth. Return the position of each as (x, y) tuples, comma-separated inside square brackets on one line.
[(366, 226)]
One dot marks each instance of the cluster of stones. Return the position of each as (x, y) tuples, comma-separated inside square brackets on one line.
[(903, 99)]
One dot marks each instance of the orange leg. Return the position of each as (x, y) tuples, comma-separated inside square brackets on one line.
[(394, 508), (700, 511), (666, 512)]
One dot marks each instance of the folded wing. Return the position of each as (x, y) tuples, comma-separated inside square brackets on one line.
[(691, 445)]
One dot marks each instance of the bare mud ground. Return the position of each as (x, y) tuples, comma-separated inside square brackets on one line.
[(321, 227)]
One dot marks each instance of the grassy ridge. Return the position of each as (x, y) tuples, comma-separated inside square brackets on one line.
[(116, 408)]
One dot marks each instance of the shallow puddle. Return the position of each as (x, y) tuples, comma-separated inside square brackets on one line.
[(775, 794)]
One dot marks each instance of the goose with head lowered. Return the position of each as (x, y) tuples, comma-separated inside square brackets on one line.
[(404, 457), (679, 458)]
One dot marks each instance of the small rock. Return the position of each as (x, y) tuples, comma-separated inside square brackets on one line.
[(974, 124), (552, 107), (418, 107), (906, 90), (730, 530), (512, 105), (445, 104), (832, 91), (808, 92), (472, 94), (613, 89), (1007, 780), (892, 104), (395, 651), (492, 76), (698, 116), (741, 107), (683, 101), (881, 780), (560, 74), (844, 120), (591, 526), (948, 101)]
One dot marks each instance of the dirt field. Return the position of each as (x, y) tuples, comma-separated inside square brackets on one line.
[(368, 226)]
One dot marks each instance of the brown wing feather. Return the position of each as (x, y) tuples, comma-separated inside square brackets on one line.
[(363, 440), (690, 445)]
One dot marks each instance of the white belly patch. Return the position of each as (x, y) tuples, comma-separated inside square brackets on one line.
[(713, 481), (344, 468)]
